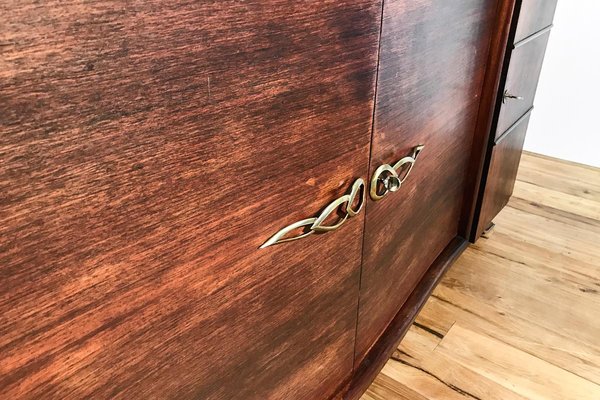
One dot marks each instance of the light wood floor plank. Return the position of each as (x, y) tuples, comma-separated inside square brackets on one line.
[(387, 388), (555, 237), (446, 372), (516, 370), (565, 217), (527, 332), (549, 345), (575, 205), (512, 248), (518, 315), (559, 175)]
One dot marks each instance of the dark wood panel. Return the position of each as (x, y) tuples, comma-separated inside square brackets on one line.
[(394, 333), (483, 139), (148, 148), (522, 80), (432, 64), (534, 16), (502, 174)]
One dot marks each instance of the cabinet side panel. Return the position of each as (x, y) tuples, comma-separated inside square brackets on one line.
[(502, 174)]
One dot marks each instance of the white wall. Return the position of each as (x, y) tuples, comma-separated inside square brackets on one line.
[(566, 119)]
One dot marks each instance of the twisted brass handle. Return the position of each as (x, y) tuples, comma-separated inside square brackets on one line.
[(317, 224), (388, 179)]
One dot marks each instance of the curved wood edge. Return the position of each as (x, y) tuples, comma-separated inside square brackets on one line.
[(483, 137), (380, 353)]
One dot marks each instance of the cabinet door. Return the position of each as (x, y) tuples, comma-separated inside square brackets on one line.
[(432, 62), (148, 149)]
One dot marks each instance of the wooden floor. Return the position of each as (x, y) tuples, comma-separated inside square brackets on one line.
[(518, 315)]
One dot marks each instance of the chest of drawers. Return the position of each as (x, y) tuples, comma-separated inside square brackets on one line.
[(530, 30), (240, 200)]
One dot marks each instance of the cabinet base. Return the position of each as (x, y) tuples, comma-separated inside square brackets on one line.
[(379, 354)]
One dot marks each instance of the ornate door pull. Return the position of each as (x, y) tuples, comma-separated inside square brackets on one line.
[(317, 224), (388, 179)]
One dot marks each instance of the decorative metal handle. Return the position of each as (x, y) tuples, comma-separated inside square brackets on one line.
[(388, 179), (508, 95), (317, 224)]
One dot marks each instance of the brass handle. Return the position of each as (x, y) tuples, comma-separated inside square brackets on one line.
[(508, 95), (317, 224), (388, 179)]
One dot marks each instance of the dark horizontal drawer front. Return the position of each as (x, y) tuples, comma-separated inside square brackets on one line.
[(535, 15), (521, 81), (504, 164)]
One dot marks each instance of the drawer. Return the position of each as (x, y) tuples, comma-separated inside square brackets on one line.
[(502, 174), (535, 15), (521, 81)]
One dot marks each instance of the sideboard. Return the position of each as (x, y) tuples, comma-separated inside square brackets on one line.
[(244, 199)]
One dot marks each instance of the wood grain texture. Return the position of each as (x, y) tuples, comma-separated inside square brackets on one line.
[(502, 173), (429, 374), (519, 77), (534, 15), (522, 80), (475, 179), (432, 64), (147, 150), (381, 351), (516, 316)]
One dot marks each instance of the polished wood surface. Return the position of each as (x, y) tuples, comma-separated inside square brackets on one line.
[(376, 358), (485, 118), (516, 317), (522, 80), (502, 173), (514, 98), (432, 64), (148, 148), (534, 15)]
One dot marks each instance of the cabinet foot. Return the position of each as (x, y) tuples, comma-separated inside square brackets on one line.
[(487, 233)]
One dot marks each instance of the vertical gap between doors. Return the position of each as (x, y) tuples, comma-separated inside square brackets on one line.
[(362, 253)]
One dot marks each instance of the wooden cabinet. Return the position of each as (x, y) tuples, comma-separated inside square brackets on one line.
[(531, 23), (158, 156)]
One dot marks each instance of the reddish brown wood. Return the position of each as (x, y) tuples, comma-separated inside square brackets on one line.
[(432, 64), (383, 349), (502, 174), (147, 149), (534, 16), (485, 117), (522, 80)]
